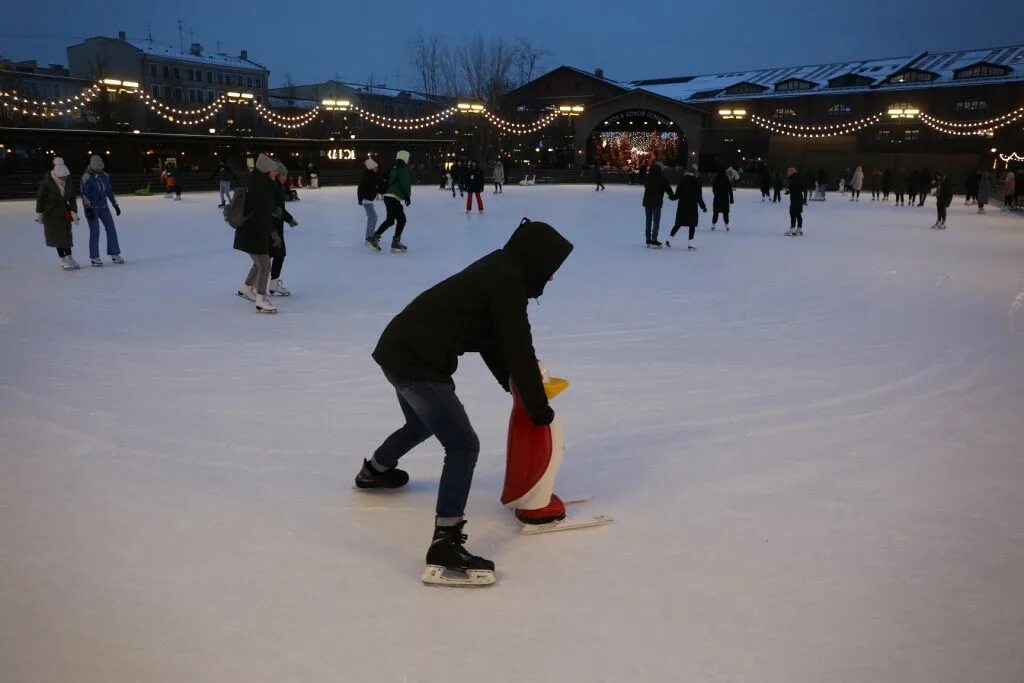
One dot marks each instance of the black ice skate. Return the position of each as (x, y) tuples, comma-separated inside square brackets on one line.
[(373, 242), (450, 564), (397, 247), (370, 478)]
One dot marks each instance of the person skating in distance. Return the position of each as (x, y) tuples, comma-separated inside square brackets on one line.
[(480, 309)]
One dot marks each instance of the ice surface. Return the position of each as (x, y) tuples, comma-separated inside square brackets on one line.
[(813, 449)]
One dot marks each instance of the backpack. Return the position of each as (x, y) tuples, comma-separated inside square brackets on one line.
[(234, 213), (383, 182)]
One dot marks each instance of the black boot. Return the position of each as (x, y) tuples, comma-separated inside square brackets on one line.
[(370, 478), (448, 552)]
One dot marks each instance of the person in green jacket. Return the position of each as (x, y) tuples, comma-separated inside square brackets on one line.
[(398, 192)]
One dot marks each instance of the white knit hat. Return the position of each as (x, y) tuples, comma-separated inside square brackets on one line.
[(403, 156), (60, 170), (265, 164), (96, 163), (371, 164)]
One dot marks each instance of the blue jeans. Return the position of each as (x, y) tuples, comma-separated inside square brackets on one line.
[(652, 214), (113, 248), (433, 409)]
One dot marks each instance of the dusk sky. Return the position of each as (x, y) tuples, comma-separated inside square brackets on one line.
[(316, 40)]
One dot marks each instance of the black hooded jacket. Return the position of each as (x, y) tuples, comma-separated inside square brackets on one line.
[(481, 309)]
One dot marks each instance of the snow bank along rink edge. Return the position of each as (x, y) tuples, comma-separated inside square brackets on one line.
[(812, 449)]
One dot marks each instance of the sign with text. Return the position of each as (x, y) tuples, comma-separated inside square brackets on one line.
[(341, 154)]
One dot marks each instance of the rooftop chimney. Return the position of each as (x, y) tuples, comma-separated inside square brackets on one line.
[(599, 73), (196, 49), (121, 35), (244, 54)]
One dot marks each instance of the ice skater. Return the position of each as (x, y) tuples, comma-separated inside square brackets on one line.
[(924, 187), (984, 190), (856, 183), (971, 187), (796, 194), (1009, 190), (721, 189), (690, 197), (913, 181), (943, 198), (598, 178), (172, 181), (474, 179), (899, 186), (278, 251), (777, 185), (480, 309), (656, 187), (886, 184), (458, 170), (499, 176), (254, 236), (765, 180), (822, 185), (57, 209), (397, 193), (366, 194), (226, 182), (876, 185), (96, 191)]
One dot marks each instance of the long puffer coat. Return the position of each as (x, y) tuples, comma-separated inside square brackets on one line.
[(53, 206)]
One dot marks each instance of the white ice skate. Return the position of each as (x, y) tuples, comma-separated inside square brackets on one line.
[(68, 263), (247, 292), (437, 575), (691, 246), (116, 258), (277, 288), (263, 305), (96, 262)]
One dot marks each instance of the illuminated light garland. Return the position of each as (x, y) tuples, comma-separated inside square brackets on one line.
[(997, 122), (521, 128), (852, 127), (84, 96), (280, 118), (1012, 156), (836, 126), (962, 133), (436, 118)]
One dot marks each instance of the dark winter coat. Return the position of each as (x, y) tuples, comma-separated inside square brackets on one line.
[(656, 186), (224, 173), (598, 175), (822, 177), (54, 206), (944, 193), (796, 193), (875, 182), (480, 309), (899, 181), (973, 183), (887, 181), (721, 188), (367, 190), (777, 182), (924, 182), (690, 199), (766, 180), (984, 189), (253, 237), (913, 181), (474, 179), (399, 182)]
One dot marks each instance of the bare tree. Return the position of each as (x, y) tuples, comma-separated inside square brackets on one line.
[(527, 60), (425, 55)]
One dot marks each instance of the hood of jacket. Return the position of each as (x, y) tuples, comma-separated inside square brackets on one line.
[(539, 250)]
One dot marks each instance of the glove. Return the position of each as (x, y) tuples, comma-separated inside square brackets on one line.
[(89, 213), (275, 240), (39, 218), (292, 222), (407, 202), (117, 209), (545, 418)]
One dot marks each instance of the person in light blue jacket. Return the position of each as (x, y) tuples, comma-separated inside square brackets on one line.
[(95, 191)]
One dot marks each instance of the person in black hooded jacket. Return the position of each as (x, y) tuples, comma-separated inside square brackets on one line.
[(721, 189), (480, 309)]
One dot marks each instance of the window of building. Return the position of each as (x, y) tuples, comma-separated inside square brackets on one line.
[(178, 95), (154, 91), (980, 71), (971, 105), (883, 134), (839, 110), (793, 84), (167, 92), (248, 82), (913, 76), (195, 95), (913, 134), (782, 113), (220, 79), (259, 82), (152, 70), (744, 89), (177, 72), (209, 77), (259, 98), (210, 96), (190, 75), (167, 72)]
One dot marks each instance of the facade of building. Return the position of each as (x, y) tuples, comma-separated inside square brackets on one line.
[(181, 78)]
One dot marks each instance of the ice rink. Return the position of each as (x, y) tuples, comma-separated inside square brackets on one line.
[(813, 448)]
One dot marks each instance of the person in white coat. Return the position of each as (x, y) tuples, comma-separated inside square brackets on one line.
[(856, 183), (499, 176)]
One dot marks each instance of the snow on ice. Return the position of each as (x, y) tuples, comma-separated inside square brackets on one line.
[(812, 447)]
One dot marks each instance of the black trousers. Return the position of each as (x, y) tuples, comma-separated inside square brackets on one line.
[(62, 252), (777, 195), (395, 216), (899, 197), (675, 229), (796, 217), (277, 255), (942, 212), (714, 216)]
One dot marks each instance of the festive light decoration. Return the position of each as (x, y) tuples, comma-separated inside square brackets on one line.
[(998, 122), (797, 131), (290, 122), (1012, 156), (732, 113), (521, 128)]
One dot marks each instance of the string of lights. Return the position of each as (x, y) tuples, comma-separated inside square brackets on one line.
[(84, 96), (280, 118), (992, 124), (952, 131), (520, 128), (852, 127), (859, 123), (436, 118)]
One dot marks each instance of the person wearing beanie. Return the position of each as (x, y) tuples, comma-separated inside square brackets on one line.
[(57, 209), (226, 175), (481, 309), (721, 188), (797, 194), (856, 183), (96, 190), (255, 234), (943, 198), (173, 182), (690, 198), (366, 194), (277, 246), (499, 176), (397, 193)]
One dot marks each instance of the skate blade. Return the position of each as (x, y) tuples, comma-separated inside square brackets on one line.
[(279, 294), (567, 524), (243, 296), (267, 311), (436, 575)]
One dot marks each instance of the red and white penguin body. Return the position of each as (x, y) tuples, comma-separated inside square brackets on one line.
[(533, 458)]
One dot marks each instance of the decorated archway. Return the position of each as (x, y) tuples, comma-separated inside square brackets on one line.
[(633, 138)]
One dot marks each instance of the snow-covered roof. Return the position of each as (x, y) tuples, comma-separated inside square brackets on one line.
[(161, 50), (290, 103), (943, 64)]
